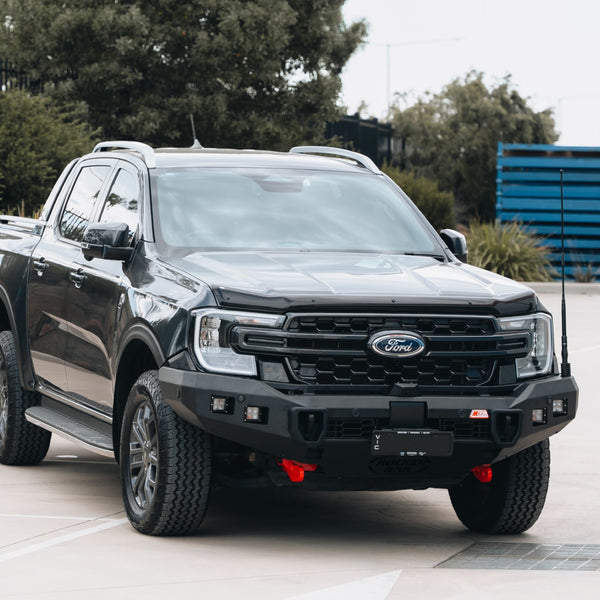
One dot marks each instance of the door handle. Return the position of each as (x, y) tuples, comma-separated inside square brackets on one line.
[(40, 266), (77, 278)]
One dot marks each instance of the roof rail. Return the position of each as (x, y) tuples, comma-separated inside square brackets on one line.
[(146, 151), (361, 159)]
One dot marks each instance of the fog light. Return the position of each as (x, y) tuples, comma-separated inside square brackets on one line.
[(559, 407), (255, 414), (220, 404), (538, 416)]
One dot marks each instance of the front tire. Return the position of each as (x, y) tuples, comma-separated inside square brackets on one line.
[(512, 502), (166, 464), (21, 442)]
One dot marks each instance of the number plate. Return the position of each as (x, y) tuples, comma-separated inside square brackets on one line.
[(412, 442)]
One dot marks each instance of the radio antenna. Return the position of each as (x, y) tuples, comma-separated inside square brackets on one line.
[(196, 143), (565, 367)]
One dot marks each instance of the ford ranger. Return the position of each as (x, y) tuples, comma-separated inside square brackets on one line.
[(241, 318)]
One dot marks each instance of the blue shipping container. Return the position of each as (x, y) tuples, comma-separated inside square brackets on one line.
[(528, 191)]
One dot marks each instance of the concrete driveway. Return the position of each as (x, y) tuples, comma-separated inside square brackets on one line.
[(63, 534)]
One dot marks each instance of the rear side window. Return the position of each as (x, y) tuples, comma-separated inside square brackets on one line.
[(80, 204)]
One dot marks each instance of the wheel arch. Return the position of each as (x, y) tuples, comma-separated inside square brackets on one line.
[(140, 352), (9, 323)]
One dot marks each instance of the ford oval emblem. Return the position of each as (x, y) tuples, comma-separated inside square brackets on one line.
[(396, 344)]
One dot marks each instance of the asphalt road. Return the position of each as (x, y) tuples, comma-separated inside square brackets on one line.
[(63, 534)]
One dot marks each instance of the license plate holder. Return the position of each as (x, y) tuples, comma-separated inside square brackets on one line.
[(412, 442)]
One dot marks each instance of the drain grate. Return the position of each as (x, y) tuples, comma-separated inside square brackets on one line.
[(529, 557)]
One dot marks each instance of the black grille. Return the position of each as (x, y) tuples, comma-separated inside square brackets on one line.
[(331, 350), (362, 428), (347, 370), (347, 429), (423, 324)]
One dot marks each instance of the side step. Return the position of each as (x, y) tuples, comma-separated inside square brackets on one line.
[(73, 425)]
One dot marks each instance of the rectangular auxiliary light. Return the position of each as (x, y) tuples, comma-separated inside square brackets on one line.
[(221, 404), (538, 416), (256, 414), (559, 407)]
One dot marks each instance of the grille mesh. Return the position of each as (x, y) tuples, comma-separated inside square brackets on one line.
[(362, 428), (331, 350)]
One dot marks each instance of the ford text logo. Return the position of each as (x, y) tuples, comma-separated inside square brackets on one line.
[(398, 344)]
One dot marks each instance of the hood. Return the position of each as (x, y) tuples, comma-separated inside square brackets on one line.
[(301, 280)]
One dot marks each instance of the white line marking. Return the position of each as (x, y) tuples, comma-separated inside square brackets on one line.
[(82, 519), (371, 588), (60, 540)]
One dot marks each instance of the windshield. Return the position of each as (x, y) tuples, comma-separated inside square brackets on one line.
[(235, 209)]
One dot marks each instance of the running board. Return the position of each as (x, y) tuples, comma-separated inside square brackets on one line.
[(73, 425)]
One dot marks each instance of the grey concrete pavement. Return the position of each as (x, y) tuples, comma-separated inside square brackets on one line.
[(63, 535)]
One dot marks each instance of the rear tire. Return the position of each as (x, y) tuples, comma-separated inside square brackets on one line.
[(166, 464), (21, 442), (512, 502)]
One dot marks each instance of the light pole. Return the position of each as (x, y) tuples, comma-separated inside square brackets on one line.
[(388, 46)]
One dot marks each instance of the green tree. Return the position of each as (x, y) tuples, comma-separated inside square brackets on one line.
[(37, 140), (435, 204), (253, 73), (453, 136)]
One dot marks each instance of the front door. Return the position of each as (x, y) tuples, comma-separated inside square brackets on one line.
[(50, 273), (94, 301)]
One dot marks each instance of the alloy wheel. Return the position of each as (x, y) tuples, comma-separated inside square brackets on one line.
[(143, 455), (3, 402)]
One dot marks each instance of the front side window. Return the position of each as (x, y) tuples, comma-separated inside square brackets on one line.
[(80, 204), (122, 201), (211, 209)]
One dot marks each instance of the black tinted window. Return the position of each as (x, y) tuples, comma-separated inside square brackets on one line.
[(279, 209), (78, 209), (122, 201)]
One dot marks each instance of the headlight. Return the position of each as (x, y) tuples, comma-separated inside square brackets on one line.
[(211, 339), (539, 359)]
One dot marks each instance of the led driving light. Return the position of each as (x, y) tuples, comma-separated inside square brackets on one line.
[(538, 416), (212, 344), (539, 360), (255, 414), (559, 407), (220, 404)]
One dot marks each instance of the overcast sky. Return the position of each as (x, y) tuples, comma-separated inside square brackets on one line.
[(549, 47)]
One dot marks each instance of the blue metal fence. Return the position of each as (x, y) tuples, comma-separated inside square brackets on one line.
[(528, 191)]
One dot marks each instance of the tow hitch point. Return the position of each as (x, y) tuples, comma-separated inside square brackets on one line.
[(295, 470), (482, 473)]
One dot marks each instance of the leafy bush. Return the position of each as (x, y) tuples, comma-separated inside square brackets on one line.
[(37, 140), (585, 274), (507, 249), (436, 205)]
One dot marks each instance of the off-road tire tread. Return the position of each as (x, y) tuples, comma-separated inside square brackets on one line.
[(519, 488), (185, 468), (25, 444)]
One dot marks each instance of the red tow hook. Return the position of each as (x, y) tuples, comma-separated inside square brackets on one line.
[(482, 473), (295, 470)]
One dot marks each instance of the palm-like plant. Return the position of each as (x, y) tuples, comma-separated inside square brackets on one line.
[(507, 249)]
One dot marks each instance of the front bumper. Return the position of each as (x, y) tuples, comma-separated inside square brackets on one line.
[(334, 431)]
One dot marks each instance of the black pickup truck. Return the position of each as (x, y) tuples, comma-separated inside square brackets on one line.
[(241, 318)]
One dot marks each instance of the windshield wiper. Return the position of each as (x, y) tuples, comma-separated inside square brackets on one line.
[(441, 257)]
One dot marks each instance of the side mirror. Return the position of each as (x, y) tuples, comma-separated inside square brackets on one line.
[(456, 242), (106, 240)]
